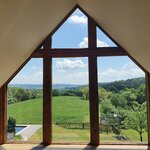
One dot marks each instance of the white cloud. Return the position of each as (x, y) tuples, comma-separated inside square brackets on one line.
[(34, 67), (81, 75), (72, 78), (101, 44), (84, 43), (75, 19), (127, 71), (70, 64), (33, 77)]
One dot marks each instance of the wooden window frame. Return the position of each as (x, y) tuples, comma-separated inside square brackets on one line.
[(92, 52)]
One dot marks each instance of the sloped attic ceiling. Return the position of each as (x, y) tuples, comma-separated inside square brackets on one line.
[(25, 23)]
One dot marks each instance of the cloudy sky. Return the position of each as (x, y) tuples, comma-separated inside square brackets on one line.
[(73, 34)]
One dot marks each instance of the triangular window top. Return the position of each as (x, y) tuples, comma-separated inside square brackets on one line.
[(73, 32), (103, 40)]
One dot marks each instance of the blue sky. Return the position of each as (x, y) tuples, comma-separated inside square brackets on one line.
[(73, 34)]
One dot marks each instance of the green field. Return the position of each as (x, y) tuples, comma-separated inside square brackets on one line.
[(71, 135), (65, 108), (134, 136), (74, 135)]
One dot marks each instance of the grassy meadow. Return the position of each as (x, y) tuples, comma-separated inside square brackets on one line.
[(74, 135), (65, 108)]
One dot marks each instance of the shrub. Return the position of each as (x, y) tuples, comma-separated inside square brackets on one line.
[(11, 125)]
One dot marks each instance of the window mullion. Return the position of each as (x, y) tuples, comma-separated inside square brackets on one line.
[(148, 103), (93, 87), (47, 96), (3, 114)]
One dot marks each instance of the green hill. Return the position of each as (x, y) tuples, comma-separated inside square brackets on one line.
[(65, 108), (117, 86)]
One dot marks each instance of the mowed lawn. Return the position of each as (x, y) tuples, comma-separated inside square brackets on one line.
[(71, 135), (134, 135), (65, 108)]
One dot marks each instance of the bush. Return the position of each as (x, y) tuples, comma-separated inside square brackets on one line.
[(11, 125)]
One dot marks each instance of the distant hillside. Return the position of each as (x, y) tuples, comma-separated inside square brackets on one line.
[(40, 86), (122, 84), (27, 86), (109, 86)]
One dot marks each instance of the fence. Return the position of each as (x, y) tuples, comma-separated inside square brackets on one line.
[(86, 125)]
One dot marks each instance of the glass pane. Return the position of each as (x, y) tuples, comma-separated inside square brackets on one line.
[(73, 32), (70, 107), (41, 47), (122, 101), (24, 110), (103, 40)]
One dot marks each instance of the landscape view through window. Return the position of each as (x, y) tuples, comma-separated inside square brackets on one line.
[(121, 93)]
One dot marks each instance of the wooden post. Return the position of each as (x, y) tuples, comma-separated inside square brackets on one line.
[(3, 113), (148, 103), (47, 97), (93, 86)]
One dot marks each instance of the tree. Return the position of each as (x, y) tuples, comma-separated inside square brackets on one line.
[(11, 125), (106, 107), (56, 92), (85, 93), (136, 119), (118, 101), (107, 112), (20, 94), (129, 95), (141, 94), (103, 94)]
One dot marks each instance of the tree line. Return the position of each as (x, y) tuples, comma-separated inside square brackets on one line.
[(19, 94)]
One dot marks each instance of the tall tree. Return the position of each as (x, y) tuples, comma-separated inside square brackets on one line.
[(136, 119)]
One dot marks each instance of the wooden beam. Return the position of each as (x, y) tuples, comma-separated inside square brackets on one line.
[(93, 97), (3, 114), (148, 103), (103, 51), (93, 86), (47, 98)]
